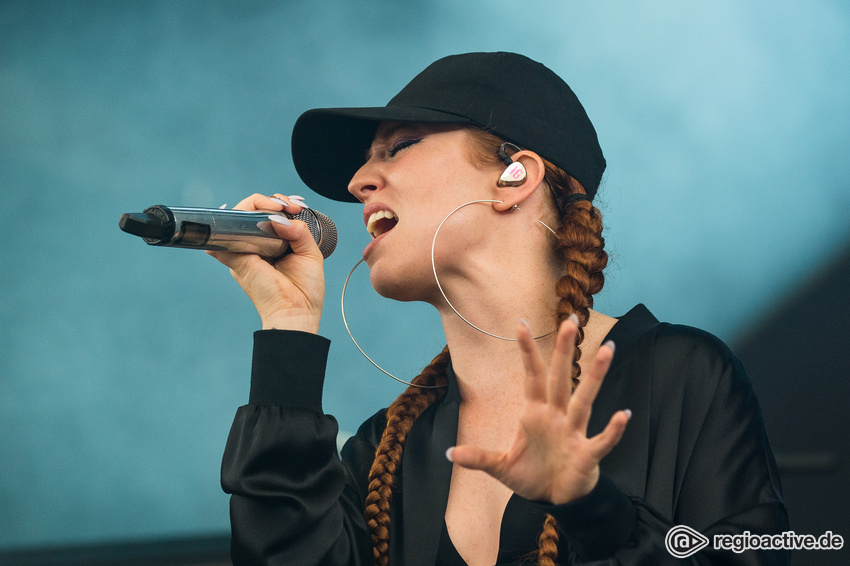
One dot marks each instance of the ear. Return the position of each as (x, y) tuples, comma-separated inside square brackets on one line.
[(535, 171)]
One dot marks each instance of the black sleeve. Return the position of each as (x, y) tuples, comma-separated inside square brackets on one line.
[(723, 475), (292, 500)]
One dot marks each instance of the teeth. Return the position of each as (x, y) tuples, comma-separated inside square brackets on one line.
[(371, 226)]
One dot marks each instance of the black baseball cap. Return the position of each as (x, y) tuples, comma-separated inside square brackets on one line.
[(518, 99)]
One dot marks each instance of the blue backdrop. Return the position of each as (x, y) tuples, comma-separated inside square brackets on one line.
[(725, 126)]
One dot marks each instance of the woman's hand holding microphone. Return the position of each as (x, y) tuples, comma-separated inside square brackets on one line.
[(288, 292)]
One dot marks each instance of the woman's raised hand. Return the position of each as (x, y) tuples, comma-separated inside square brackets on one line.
[(289, 291), (551, 458)]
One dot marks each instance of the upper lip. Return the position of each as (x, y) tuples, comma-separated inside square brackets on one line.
[(372, 209)]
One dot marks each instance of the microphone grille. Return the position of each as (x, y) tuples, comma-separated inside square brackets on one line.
[(321, 228)]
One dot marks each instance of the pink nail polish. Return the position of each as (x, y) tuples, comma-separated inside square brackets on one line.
[(279, 201), (449, 454)]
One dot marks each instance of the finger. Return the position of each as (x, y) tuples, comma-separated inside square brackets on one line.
[(601, 444), (535, 383), (474, 458), (259, 202), (291, 204), (297, 233), (582, 399), (298, 200), (560, 381)]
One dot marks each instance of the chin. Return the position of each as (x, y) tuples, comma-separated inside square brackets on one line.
[(399, 284), (391, 288)]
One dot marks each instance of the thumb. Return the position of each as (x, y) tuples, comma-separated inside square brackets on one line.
[(297, 233), (301, 240), (475, 458)]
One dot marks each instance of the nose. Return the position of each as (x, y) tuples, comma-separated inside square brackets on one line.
[(366, 181)]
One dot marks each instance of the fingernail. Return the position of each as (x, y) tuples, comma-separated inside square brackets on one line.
[(628, 413), (524, 322), (573, 318), (609, 344), (299, 201), (222, 207), (279, 201), (278, 219), (449, 454)]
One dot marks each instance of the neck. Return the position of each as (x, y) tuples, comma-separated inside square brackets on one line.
[(504, 276), (496, 301), (490, 370), (487, 368)]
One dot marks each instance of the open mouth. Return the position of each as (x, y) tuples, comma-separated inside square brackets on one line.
[(381, 222)]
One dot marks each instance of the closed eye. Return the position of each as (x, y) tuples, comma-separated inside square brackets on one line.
[(400, 144)]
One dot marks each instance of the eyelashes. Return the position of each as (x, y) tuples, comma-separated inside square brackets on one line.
[(400, 144), (392, 148)]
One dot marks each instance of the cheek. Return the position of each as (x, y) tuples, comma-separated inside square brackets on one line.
[(464, 238), (441, 177), (433, 190)]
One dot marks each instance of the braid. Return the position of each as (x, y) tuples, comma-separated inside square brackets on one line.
[(400, 416), (581, 246), (547, 543)]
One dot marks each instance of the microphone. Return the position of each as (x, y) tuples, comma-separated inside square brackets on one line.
[(217, 229)]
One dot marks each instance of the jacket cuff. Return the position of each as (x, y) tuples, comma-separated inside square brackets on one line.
[(598, 524), (288, 369)]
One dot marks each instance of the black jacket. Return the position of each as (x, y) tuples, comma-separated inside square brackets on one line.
[(694, 453)]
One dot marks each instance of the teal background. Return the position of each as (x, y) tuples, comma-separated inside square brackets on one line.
[(725, 126)]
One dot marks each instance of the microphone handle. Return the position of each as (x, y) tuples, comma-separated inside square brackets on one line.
[(214, 229)]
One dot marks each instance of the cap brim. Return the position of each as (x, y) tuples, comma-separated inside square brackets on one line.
[(329, 144)]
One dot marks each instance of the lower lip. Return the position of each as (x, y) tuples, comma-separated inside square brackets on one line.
[(372, 244)]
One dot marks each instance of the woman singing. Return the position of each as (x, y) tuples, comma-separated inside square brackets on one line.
[(545, 432)]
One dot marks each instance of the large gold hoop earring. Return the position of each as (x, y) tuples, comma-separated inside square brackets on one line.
[(350, 335), (437, 279)]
